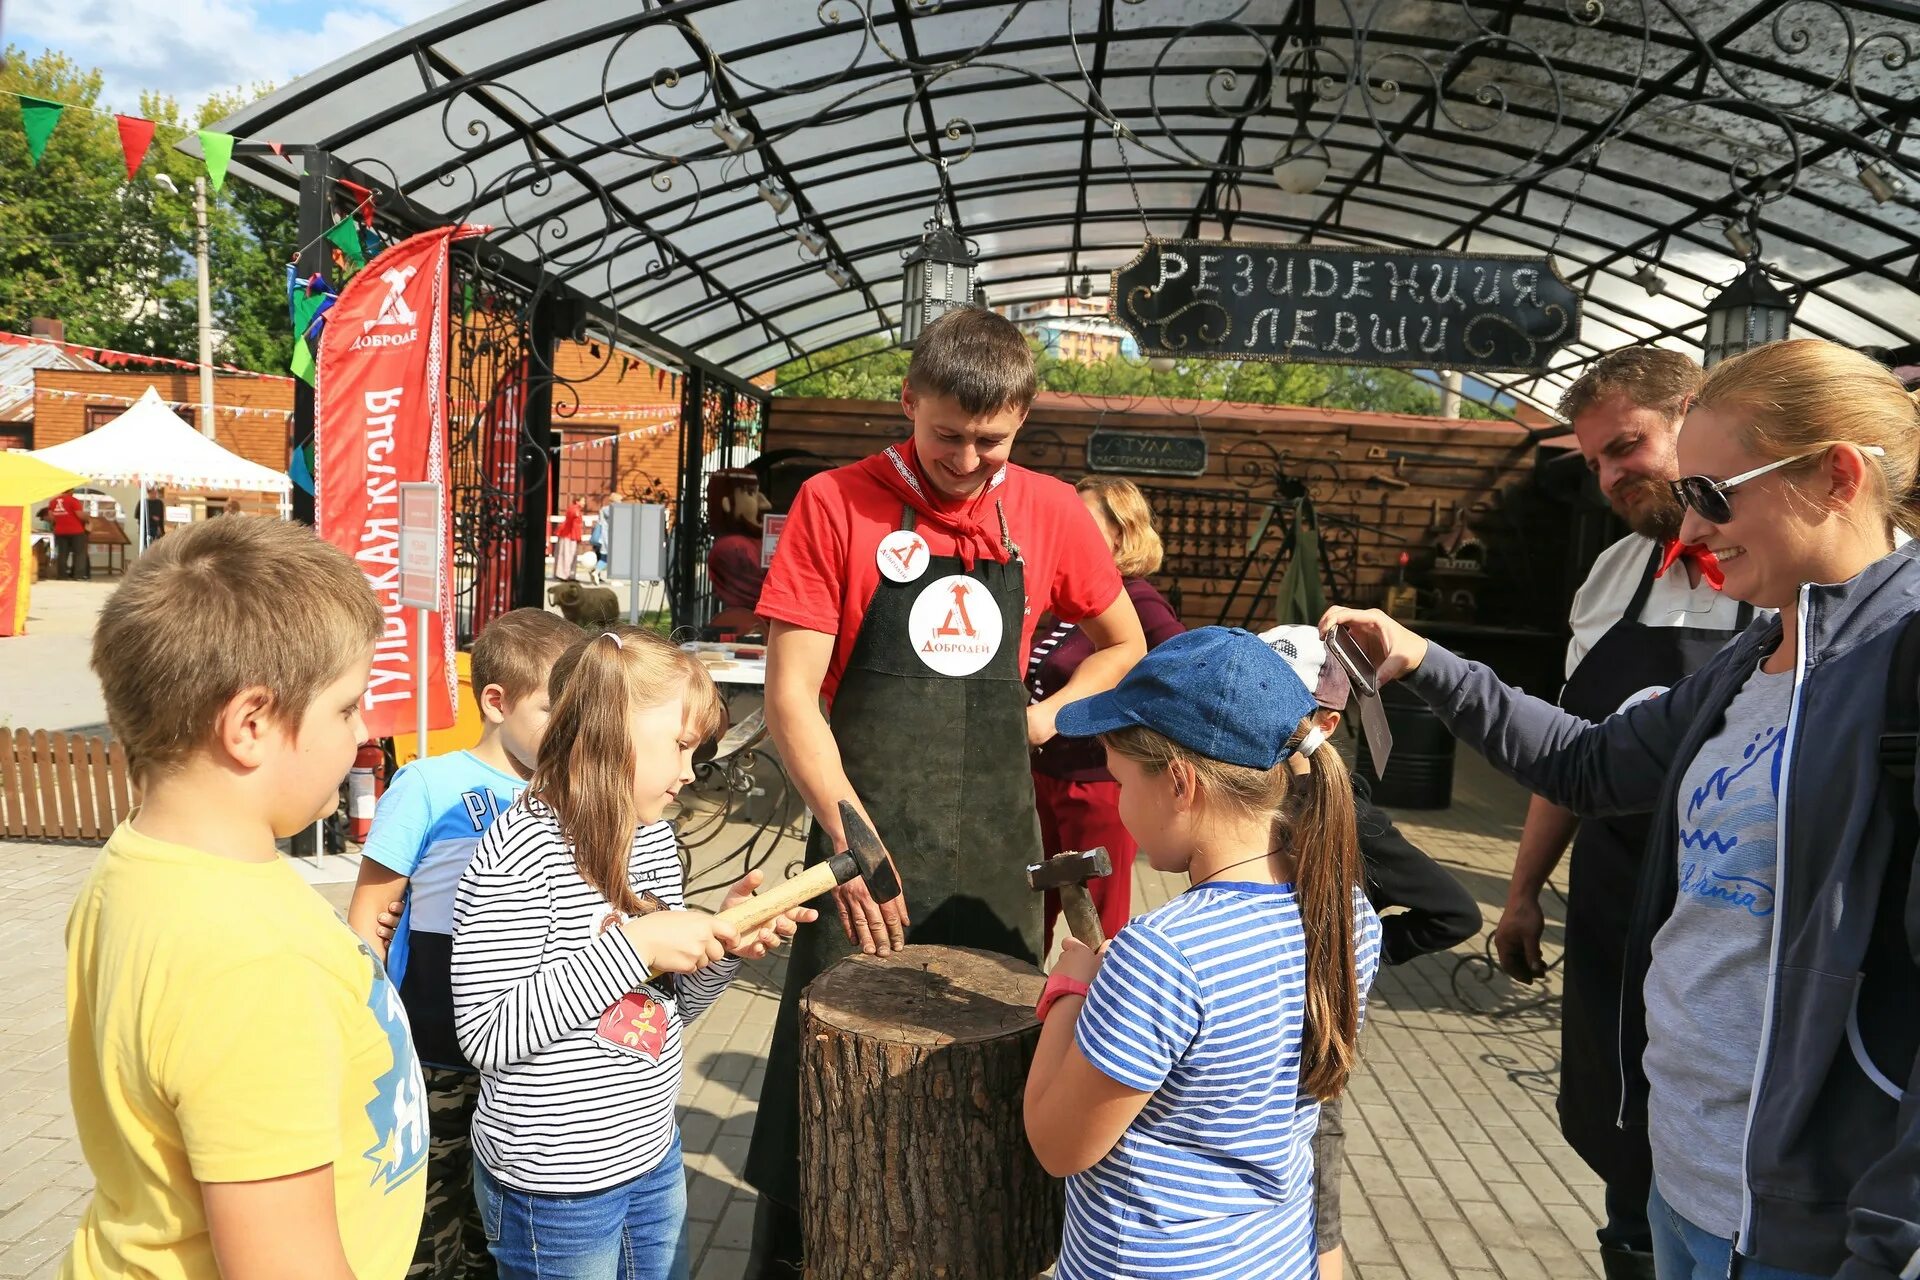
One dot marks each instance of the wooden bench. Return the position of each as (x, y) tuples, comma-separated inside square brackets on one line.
[(61, 786)]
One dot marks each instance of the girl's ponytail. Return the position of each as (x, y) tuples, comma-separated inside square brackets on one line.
[(1327, 870)]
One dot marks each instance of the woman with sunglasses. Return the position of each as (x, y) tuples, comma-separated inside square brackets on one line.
[(1769, 1012)]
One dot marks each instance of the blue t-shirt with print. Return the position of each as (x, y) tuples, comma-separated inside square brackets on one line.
[(426, 828)]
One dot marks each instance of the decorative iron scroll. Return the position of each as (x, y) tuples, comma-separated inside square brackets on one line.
[(1320, 305)]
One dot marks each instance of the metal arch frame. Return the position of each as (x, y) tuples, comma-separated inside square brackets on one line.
[(731, 252), (1702, 54)]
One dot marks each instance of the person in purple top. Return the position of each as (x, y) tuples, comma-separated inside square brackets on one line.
[(1078, 798)]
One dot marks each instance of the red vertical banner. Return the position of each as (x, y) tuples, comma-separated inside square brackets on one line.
[(380, 415)]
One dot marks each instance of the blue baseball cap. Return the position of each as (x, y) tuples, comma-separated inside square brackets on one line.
[(1219, 691)]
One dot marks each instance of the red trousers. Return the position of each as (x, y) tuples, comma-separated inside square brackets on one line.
[(1086, 815)]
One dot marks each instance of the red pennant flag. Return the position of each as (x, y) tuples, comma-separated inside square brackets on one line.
[(279, 150), (362, 199), (136, 135)]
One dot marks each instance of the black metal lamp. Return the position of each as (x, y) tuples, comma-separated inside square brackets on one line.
[(1748, 313), (939, 277)]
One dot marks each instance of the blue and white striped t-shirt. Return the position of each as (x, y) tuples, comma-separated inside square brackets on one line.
[(1202, 1003)]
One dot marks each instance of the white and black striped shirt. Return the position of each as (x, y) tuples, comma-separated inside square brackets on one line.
[(562, 1111)]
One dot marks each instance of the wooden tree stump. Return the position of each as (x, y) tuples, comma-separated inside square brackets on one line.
[(914, 1160)]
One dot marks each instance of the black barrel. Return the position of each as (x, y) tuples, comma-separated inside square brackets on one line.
[(1420, 771)]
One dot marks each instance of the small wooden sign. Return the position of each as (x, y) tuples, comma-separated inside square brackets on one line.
[(1147, 453), (1397, 308)]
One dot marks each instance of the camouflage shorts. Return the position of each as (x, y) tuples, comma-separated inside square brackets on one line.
[(453, 1245)]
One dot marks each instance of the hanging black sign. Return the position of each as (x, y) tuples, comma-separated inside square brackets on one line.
[(1147, 453), (1406, 309)]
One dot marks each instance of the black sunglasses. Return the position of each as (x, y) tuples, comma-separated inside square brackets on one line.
[(1709, 497)]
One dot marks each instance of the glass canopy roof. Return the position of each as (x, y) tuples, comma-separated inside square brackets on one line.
[(643, 151)]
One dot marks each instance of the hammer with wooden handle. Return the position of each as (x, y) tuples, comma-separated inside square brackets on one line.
[(1069, 873), (864, 858)]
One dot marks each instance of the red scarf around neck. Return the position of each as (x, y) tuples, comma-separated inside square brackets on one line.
[(973, 523), (1703, 560)]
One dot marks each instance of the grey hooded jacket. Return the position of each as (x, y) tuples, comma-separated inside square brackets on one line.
[(1832, 1158)]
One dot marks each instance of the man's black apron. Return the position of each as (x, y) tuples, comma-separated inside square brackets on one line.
[(1627, 663), (940, 762)]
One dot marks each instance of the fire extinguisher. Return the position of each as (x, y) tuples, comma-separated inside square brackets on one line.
[(364, 785)]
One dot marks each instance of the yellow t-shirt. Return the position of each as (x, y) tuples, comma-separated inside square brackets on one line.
[(223, 1025)]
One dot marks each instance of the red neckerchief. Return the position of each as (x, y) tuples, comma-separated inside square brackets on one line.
[(1709, 568), (973, 523)]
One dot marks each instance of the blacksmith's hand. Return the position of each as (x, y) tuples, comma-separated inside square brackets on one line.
[(877, 928), (1516, 940)]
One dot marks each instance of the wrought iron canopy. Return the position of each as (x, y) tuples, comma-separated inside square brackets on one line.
[(629, 147)]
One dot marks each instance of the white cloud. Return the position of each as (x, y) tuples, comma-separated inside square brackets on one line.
[(191, 49)]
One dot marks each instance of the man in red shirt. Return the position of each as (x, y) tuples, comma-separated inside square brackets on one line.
[(905, 592), (69, 521)]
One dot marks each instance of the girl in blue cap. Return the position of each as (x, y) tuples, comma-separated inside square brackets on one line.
[(1180, 1071)]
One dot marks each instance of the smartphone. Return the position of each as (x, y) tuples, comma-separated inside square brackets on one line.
[(1359, 666)]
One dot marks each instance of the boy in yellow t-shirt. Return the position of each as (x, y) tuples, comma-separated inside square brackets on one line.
[(242, 1074)]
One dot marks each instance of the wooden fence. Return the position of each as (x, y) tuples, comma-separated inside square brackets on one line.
[(61, 786)]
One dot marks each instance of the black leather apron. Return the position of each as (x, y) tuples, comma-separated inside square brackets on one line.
[(1629, 660), (940, 762)]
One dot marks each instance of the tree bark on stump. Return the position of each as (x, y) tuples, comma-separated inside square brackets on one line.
[(913, 1156)]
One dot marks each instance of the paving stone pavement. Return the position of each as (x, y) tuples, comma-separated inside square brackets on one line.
[(1455, 1166)]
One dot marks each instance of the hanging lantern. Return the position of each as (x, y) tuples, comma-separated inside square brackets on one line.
[(939, 277), (1748, 313)]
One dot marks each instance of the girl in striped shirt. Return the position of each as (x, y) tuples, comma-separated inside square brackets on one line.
[(571, 900), (1180, 1071)]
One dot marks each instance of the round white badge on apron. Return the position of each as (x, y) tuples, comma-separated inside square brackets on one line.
[(902, 556), (954, 625)]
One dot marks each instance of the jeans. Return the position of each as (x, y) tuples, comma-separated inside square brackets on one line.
[(1682, 1251), (635, 1231)]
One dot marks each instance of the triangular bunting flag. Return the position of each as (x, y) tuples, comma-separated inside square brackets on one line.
[(280, 150), (362, 199), (135, 137), (217, 148), (302, 365), (37, 118), (345, 237)]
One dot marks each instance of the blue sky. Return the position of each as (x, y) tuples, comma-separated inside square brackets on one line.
[(193, 48)]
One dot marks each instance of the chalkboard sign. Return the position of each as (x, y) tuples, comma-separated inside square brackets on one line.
[(1403, 309), (1147, 453)]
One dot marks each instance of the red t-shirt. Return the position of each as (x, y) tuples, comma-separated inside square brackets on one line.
[(66, 515), (573, 524), (825, 572)]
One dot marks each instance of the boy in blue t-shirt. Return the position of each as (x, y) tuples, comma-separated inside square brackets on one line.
[(425, 830)]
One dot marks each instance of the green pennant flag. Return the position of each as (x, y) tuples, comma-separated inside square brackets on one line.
[(217, 148), (37, 118), (305, 306), (345, 236), (302, 365)]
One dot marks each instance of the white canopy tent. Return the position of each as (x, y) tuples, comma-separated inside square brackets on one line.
[(150, 445)]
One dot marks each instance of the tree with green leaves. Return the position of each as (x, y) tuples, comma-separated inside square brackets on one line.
[(871, 368), (113, 259)]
